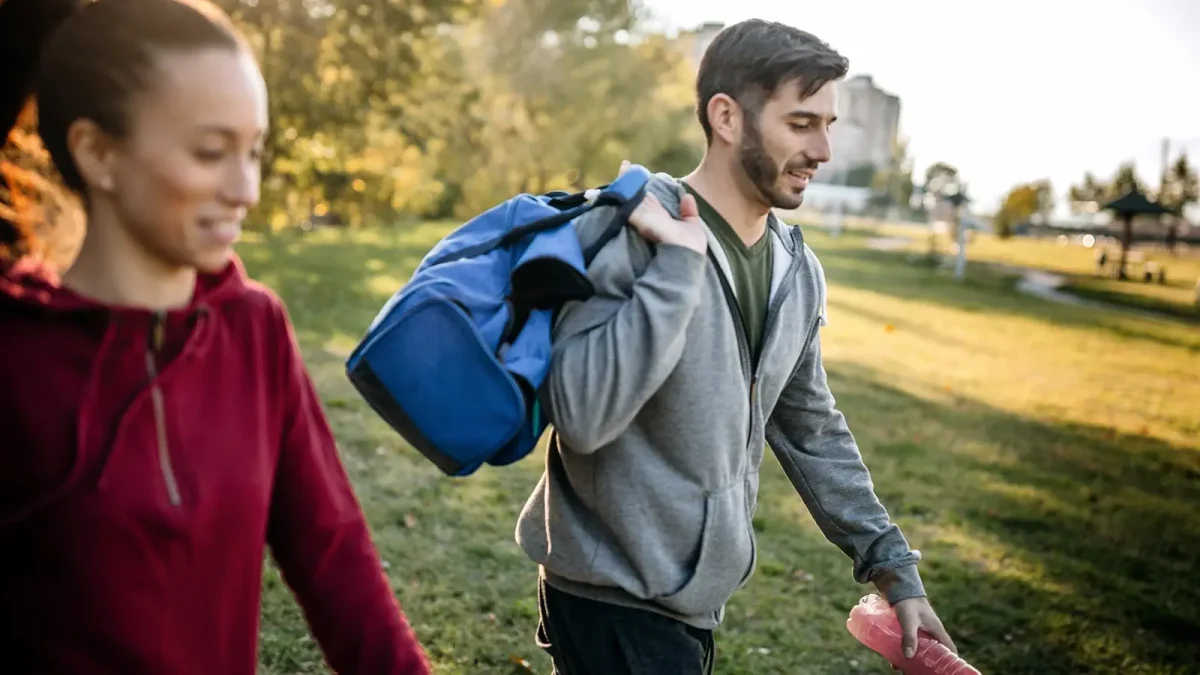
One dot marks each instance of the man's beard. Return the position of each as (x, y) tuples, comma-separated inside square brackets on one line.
[(764, 173)]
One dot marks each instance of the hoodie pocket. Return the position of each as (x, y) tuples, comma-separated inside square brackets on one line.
[(725, 556)]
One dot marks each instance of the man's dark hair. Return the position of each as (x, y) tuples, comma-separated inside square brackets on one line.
[(750, 60)]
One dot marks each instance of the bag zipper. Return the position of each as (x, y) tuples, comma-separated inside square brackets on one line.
[(157, 328)]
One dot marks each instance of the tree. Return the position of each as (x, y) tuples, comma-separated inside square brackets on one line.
[(1180, 188), (567, 89), (1045, 197), (1125, 181), (938, 177), (862, 175), (1020, 205), (1087, 196), (893, 186), (341, 77), (439, 108), (1184, 186)]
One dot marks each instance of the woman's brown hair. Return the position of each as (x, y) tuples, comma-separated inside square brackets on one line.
[(65, 60)]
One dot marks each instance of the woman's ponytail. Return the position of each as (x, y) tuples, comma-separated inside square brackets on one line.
[(25, 183)]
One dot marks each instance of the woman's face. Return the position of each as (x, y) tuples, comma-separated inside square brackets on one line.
[(181, 181)]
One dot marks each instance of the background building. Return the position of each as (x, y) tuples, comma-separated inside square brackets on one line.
[(694, 41), (865, 134)]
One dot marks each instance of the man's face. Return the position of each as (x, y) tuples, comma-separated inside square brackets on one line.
[(782, 148)]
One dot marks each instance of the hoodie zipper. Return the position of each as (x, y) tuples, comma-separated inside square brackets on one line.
[(160, 409), (739, 327), (751, 370)]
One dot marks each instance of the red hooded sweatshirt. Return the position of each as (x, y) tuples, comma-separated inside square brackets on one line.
[(146, 462)]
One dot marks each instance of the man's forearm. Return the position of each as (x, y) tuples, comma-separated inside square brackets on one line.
[(820, 457)]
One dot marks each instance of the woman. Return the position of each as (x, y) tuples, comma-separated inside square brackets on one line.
[(159, 427)]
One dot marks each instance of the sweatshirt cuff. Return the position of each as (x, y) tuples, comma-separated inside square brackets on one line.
[(904, 584)]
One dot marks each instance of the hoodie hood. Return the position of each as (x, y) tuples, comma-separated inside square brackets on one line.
[(35, 284), (32, 288)]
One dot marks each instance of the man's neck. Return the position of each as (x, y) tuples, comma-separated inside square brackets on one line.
[(727, 192)]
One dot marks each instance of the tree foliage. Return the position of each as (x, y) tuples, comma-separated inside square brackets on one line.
[(389, 109), (1126, 181), (893, 186), (939, 176), (1021, 204), (1180, 186), (1087, 195)]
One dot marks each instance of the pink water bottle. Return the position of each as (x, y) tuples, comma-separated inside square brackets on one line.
[(874, 623)]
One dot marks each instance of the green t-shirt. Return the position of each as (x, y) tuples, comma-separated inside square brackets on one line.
[(751, 267)]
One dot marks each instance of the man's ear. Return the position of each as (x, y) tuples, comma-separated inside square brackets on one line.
[(725, 117)]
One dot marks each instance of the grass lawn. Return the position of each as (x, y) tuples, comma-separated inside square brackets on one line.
[(1077, 264), (1044, 458)]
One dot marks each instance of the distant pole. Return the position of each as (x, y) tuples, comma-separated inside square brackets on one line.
[(960, 265), (1166, 158), (956, 200), (1162, 192), (929, 206)]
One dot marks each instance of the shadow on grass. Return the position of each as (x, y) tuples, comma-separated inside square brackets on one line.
[(983, 291), (1091, 288), (1097, 535)]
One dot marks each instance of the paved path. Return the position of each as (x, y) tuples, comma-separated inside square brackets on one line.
[(1046, 285), (1038, 283)]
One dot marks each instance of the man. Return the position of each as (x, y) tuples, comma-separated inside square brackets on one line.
[(700, 346)]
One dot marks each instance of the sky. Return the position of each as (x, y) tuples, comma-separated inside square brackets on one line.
[(1011, 91)]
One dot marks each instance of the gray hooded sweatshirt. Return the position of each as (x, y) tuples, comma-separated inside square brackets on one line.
[(660, 422)]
